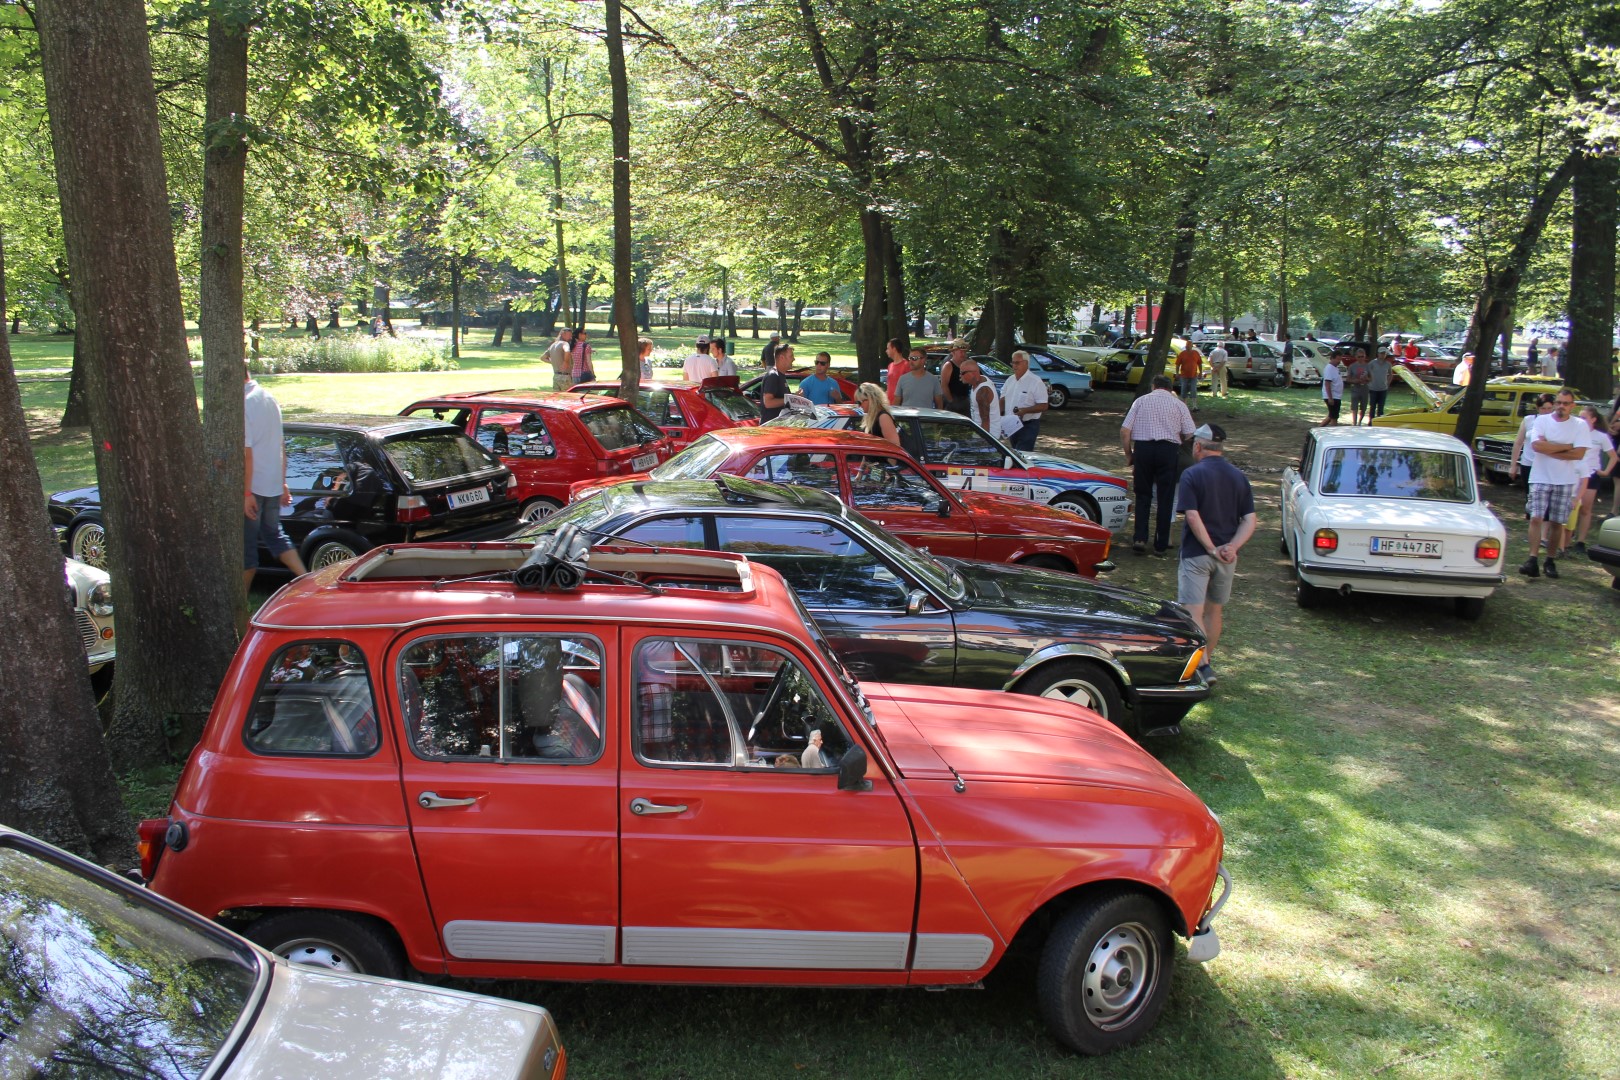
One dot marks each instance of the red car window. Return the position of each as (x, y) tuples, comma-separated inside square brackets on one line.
[(515, 433), (878, 481)]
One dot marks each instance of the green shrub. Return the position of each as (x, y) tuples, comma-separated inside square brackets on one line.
[(352, 353)]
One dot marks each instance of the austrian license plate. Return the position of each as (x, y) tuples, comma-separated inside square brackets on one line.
[(1399, 545), (643, 462), (470, 497)]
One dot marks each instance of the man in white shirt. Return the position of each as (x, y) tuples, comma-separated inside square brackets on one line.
[(1560, 442), (1333, 388), (1217, 370), (560, 355), (700, 365), (1023, 399), (1155, 426), (265, 475)]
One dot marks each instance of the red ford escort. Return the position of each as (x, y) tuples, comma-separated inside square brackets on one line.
[(550, 441), (892, 488), (489, 762)]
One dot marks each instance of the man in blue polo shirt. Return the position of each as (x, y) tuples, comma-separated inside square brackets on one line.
[(1219, 508), (821, 387)]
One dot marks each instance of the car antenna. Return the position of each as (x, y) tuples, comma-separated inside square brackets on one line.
[(961, 784)]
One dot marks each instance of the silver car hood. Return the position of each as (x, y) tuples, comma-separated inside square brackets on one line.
[(319, 1024)]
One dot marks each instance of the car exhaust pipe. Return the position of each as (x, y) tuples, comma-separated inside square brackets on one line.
[(1344, 590)]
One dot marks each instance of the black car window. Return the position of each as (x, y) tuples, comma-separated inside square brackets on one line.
[(877, 481), (732, 403), (447, 413), (314, 462), (954, 443), (620, 427), (508, 697), (731, 705), (812, 470), (423, 457), (516, 433), (681, 532), (315, 698), (98, 983), (823, 563)]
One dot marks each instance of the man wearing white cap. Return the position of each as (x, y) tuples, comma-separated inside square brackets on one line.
[(1219, 507), (700, 365)]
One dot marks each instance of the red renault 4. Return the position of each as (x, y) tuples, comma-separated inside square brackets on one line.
[(488, 761), (550, 441)]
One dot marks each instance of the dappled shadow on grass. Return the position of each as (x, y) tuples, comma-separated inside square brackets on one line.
[(649, 1031)]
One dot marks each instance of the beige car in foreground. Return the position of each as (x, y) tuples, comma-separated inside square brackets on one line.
[(102, 978)]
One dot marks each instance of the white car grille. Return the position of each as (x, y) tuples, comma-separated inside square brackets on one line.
[(88, 635)]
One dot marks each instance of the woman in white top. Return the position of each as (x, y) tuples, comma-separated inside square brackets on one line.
[(1593, 469)]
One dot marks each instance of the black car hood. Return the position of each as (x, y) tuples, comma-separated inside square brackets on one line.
[(1019, 590)]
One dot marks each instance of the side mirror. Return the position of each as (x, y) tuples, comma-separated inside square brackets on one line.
[(916, 602), (852, 771), (944, 510)]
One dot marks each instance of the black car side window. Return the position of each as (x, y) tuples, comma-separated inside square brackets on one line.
[(669, 532), (314, 463), (315, 699), (946, 443), (825, 565)]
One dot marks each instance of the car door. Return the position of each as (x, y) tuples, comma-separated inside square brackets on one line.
[(733, 854), (964, 457), (533, 444), (884, 625), (510, 775), (910, 504)]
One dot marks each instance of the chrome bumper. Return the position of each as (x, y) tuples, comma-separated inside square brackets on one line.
[(1204, 945)]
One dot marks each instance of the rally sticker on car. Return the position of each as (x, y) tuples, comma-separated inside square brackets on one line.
[(470, 497), (1394, 545), (643, 462)]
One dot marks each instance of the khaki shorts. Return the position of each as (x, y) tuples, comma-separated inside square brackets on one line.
[(1204, 579)]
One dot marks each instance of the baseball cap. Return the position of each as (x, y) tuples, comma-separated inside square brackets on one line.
[(703, 339), (959, 343), (1210, 433)]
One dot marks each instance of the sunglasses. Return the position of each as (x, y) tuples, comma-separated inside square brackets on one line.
[(823, 363)]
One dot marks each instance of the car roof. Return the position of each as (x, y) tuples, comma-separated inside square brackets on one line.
[(922, 413), (649, 384), (520, 399), (402, 585), (381, 426), (747, 438), (720, 492), (1410, 438)]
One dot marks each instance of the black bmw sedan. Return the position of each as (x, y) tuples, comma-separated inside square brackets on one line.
[(897, 614)]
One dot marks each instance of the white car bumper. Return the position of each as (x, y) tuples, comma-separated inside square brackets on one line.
[(1399, 581)]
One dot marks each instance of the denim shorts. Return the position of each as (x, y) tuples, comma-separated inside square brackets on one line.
[(266, 529)]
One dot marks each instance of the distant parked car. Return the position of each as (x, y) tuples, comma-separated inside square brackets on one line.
[(1388, 511), (1250, 363), (1507, 401), (1310, 357), (103, 978), (356, 482), (90, 592), (685, 410), (549, 440), (1066, 380)]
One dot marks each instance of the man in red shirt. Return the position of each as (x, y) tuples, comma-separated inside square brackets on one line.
[(1411, 351), (898, 366), (1189, 366)]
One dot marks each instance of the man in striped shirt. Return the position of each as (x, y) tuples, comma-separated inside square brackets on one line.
[(1154, 429)]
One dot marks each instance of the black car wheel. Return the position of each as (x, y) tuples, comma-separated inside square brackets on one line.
[(1083, 682), (1083, 505), (1105, 972), (330, 940), (1057, 396), (1470, 607), (1047, 562), (88, 543), (1307, 595), (1279, 379), (329, 549)]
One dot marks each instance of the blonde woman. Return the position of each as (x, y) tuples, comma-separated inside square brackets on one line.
[(878, 419)]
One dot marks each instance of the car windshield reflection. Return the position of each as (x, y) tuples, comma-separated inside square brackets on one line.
[(1397, 473)]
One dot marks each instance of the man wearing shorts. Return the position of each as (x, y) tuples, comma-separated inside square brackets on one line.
[(265, 474), (1559, 442), (1358, 377), (1219, 508)]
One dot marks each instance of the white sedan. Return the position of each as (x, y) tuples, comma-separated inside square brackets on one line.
[(1391, 511)]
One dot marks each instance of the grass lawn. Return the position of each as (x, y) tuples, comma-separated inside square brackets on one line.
[(1421, 817)]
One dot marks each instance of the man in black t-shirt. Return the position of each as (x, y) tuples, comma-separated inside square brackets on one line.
[(1219, 507), (774, 389)]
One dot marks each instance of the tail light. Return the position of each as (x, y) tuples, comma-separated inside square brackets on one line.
[(149, 844), (1326, 541), (610, 466), (1248, 365), (1488, 550), (412, 508)]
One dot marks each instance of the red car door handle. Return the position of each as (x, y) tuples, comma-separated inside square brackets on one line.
[(430, 800), (644, 808)]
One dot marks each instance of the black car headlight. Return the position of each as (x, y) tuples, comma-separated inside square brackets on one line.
[(101, 600)]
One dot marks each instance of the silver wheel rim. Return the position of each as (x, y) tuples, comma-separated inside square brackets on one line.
[(1081, 692), (1074, 506), (330, 554), (90, 546), (316, 953), (1121, 974), (538, 510), (1060, 397)]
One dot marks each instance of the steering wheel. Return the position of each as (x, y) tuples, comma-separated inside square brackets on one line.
[(773, 698)]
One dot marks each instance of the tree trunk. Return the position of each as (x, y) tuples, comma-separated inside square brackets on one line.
[(175, 628), (781, 317), (225, 149), (55, 778), (501, 320), (984, 331), (455, 306), (77, 412), (894, 286), (1037, 320), (1588, 361), (870, 336), (382, 301), (517, 328), (623, 316), (754, 320), (798, 320), (312, 327), (1499, 292), (1174, 303)]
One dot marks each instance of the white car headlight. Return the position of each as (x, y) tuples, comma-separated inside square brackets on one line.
[(101, 600)]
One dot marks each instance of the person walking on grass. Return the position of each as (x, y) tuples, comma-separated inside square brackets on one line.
[(265, 473), (1559, 442), (1594, 471), (1333, 388), (1189, 366), (1218, 504), (560, 355), (1155, 426), (1217, 370), (1378, 372), (1357, 377)]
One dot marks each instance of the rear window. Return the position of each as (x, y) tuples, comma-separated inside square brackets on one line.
[(732, 403), (620, 427), (1397, 473), (430, 456), (696, 462), (96, 982)]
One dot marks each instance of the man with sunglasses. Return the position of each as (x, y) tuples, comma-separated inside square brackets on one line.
[(820, 387)]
